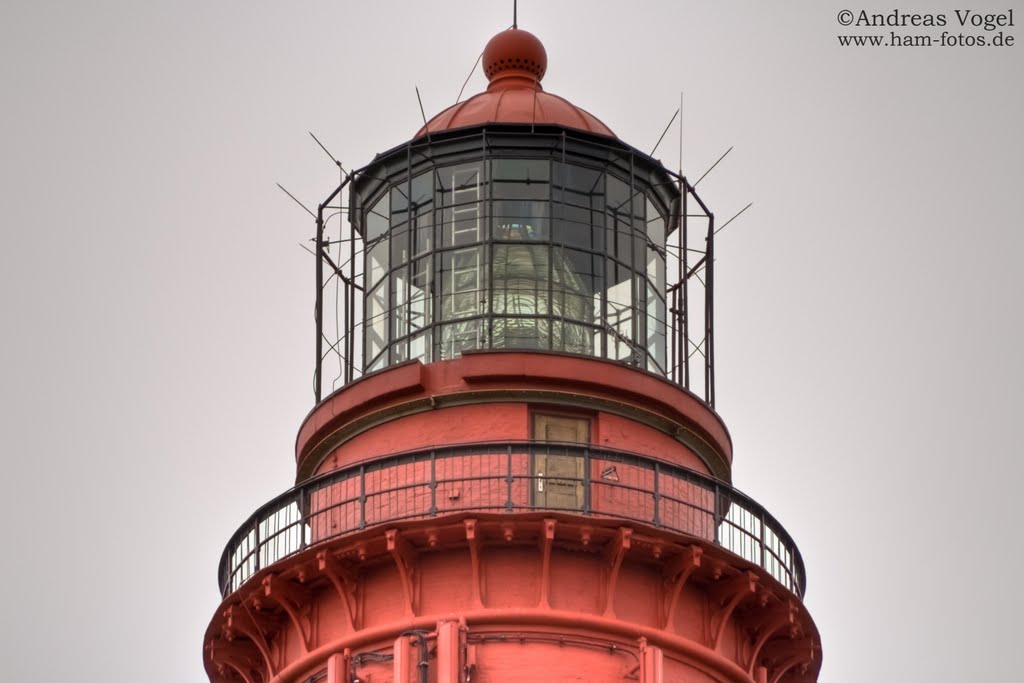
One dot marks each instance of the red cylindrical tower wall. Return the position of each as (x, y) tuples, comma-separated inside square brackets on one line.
[(468, 400), (399, 538)]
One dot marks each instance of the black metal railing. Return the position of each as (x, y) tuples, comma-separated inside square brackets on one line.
[(510, 478)]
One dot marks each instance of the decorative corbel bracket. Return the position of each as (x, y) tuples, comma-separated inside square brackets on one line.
[(473, 541), (296, 601), (241, 619), (547, 537), (240, 656), (614, 552), (676, 572), (727, 594), (800, 654), (772, 621), (788, 654), (405, 557), (346, 584)]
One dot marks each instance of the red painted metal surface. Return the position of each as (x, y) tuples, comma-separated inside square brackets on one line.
[(486, 396), (536, 598), (515, 62)]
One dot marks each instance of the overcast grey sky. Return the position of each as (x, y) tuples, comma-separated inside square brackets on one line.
[(157, 309)]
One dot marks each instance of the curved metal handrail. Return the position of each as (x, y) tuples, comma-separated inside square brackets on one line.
[(500, 477)]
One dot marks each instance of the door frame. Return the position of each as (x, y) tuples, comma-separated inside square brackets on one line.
[(534, 413)]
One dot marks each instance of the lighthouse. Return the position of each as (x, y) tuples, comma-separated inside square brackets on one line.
[(513, 470)]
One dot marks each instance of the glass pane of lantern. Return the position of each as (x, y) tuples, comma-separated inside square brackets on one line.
[(521, 333), (462, 184), (520, 279), (458, 337), (516, 220), (461, 190), (376, 330), (377, 261), (419, 294), (418, 346), (575, 281), (423, 213), (655, 225), (521, 179), (579, 186), (399, 301), (620, 312), (461, 283), (399, 203), (573, 337), (377, 218)]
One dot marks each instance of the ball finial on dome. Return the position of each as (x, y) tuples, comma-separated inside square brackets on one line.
[(515, 52)]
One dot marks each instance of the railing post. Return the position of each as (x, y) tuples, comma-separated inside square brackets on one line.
[(257, 548), (433, 484), (717, 517), (303, 504), (362, 496), (764, 564), (657, 493), (586, 480), (508, 479)]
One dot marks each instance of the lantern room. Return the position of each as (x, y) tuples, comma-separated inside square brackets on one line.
[(514, 240), (517, 220)]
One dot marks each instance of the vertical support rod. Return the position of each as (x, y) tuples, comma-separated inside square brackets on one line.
[(586, 481), (433, 484), (350, 307), (349, 345), (657, 494), (717, 518), (342, 309), (709, 315), (636, 300), (763, 553), (508, 479), (550, 291), (485, 329), (684, 268), (362, 496), (319, 311), (303, 503), (256, 545)]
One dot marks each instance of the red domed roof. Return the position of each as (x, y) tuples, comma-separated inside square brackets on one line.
[(515, 62)]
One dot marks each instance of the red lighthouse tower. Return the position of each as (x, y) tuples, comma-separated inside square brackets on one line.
[(518, 473)]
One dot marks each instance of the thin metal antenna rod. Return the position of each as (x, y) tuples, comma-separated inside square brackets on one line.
[(471, 72), (296, 200), (422, 113), (479, 57), (533, 118), (733, 218), (671, 121), (515, 13), (680, 132), (326, 151), (713, 166)]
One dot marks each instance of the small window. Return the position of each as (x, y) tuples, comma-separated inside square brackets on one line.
[(561, 428)]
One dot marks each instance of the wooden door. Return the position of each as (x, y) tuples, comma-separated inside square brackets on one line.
[(558, 472)]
